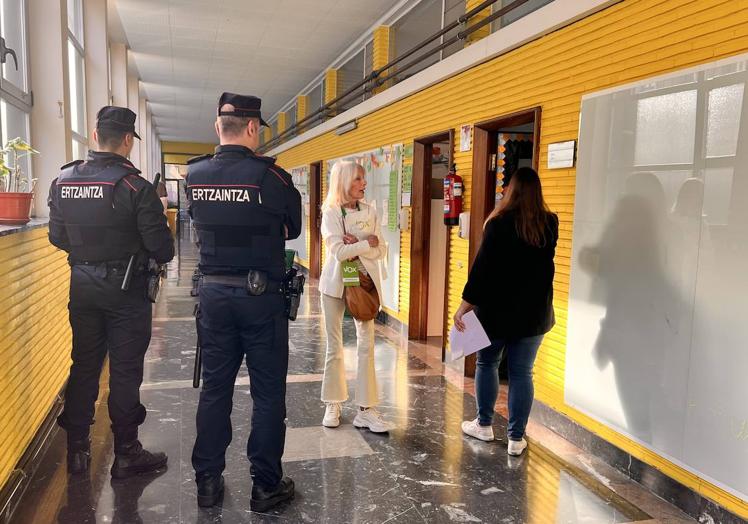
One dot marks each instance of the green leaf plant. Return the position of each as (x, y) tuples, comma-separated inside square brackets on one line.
[(12, 178)]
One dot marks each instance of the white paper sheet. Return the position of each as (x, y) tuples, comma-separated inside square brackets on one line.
[(472, 340)]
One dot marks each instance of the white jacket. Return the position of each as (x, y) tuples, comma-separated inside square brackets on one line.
[(360, 223)]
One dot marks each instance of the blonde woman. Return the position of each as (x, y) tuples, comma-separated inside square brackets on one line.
[(351, 232)]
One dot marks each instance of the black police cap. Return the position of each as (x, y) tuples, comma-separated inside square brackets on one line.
[(117, 118), (244, 106)]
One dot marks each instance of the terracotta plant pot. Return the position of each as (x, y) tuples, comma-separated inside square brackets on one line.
[(15, 208)]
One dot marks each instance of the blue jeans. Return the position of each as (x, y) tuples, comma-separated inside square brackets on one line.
[(521, 355)]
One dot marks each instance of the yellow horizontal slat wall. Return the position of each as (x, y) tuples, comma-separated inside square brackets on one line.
[(631, 40), (405, 246), (35, 338), (458, 247)]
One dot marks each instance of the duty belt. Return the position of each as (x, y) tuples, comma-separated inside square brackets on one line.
[(106, 268), (109, 264), (240, 281)]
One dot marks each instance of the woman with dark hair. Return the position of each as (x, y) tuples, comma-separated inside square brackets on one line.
[(510, 287)]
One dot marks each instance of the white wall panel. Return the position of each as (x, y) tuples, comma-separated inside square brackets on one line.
[(659, 291)]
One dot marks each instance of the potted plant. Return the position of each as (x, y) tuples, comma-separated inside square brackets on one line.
[(16, 191)]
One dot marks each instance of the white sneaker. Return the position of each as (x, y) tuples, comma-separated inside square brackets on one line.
[(516, 447), (372, 420), (332, 415), (472, 428)]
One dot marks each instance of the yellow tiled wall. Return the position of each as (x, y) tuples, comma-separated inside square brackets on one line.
[(383, 47), (35, 338), (482, 15), (404, 275), (631, 40)]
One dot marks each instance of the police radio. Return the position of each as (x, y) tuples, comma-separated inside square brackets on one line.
[(155, 273), (452, 197)]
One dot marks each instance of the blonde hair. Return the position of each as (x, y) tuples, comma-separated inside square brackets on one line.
[(341, 178)]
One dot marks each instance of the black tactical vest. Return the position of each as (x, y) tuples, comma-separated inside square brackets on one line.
[(237, 230), (97, 231)]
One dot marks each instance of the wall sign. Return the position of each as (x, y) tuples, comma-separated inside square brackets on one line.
[(562, 154), (466, 137)]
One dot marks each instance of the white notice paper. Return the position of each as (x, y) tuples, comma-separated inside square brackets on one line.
[(472, 340)]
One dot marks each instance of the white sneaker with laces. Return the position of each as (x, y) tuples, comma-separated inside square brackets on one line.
[(332, 415), (372, 420), (475, 430), (516, 447)]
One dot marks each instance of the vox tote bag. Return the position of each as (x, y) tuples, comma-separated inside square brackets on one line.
[(359, 292)]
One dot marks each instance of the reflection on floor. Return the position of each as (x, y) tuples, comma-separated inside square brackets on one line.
[(425, 471)]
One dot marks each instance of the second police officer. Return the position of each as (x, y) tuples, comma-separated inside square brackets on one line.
[(108, 218), (243, 208)]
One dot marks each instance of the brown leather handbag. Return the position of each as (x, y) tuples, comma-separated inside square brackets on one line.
[(362, 301)]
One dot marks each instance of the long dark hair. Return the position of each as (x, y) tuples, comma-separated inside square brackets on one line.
[(525, 201)]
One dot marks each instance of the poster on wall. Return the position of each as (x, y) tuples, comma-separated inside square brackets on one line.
[(396, 170), (300, 177), (515, 150), (383, 168), (407, 184), (466, 137), (407, 176)]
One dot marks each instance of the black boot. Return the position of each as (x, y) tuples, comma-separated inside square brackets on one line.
[(263, 499), (131, 459), (79, 455), (209, 490)]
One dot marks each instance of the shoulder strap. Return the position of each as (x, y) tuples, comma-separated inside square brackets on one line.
[(198, 158), (68, 169), (342, 209)]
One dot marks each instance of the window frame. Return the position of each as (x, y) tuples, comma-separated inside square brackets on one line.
[(12, 94), (79, 48)]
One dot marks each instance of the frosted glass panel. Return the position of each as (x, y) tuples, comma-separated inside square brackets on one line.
[(724, 122), (717, 195), (665, 129), (657, 335)]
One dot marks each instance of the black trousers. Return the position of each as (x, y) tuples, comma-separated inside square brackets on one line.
[(234, 326), (106, 320)]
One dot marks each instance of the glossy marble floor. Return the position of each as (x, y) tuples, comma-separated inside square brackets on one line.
[(425, 471)]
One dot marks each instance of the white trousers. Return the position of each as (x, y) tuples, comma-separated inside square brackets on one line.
[(334, 385)]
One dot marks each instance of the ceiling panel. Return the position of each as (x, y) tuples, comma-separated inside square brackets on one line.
[(189, 51)]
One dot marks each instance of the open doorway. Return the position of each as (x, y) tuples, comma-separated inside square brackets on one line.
[(432, 157), (315, 220), (500, 147)]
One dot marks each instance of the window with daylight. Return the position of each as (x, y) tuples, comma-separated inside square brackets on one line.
[(77, 79), (15, 89)]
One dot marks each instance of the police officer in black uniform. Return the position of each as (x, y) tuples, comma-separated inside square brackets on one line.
[(103, 213), (243, 208)]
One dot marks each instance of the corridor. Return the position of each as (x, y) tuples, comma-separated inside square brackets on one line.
[(425, 471)]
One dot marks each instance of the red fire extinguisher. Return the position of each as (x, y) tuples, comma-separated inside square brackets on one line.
[(452, 197)]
